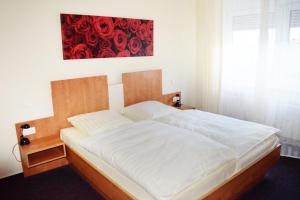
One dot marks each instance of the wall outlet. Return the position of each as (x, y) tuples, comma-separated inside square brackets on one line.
[(29, 131)]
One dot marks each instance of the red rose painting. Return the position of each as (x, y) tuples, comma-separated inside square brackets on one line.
[(85, 36)]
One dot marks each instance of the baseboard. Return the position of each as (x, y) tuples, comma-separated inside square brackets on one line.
[(11, 174)]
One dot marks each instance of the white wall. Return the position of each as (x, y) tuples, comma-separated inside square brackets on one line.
[(31, 55)]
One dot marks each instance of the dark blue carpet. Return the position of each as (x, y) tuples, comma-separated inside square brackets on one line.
[(282, 182), (59, 184)]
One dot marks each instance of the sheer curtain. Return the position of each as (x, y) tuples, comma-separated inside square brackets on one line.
[(261, 66), (209, 42)]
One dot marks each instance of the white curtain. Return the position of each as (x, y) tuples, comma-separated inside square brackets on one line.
[(261, 66), (209, 42)]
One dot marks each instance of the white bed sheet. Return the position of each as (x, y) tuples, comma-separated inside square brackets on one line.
[(250, 141), (72, 137), (163, 159), (262, 149)]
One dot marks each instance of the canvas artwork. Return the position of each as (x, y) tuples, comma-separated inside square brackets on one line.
[(86, 36)]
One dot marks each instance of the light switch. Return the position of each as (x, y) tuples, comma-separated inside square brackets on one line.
[(29, 131)]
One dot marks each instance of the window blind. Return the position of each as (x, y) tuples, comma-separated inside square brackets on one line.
[(295, 18), (250, 22), (245, 22)]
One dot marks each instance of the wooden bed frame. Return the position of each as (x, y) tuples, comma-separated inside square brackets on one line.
[(149, 87), (231, 189), (75, 96)]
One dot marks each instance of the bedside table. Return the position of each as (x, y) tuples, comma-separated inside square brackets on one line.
[(185, 107), (43, 154)]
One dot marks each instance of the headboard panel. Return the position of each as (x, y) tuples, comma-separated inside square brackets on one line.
[(71, 97), (76, 96), (142, 86)]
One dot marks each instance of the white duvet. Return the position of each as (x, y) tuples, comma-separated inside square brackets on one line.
[(240, 136), (162, 159)]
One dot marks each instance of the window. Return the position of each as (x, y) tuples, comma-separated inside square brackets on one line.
[(245, 51), (295, 27)]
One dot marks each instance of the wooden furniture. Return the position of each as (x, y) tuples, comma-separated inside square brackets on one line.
[(236, 185), (230, 190), (69, 97), (42, 151), (245, 179), (185, 107), (151, 89), (43, 154), (144, 85), (168, 98), (101, 183), (76, 96)]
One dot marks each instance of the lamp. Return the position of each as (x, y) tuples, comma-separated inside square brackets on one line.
[(177, 100), (24, 140)]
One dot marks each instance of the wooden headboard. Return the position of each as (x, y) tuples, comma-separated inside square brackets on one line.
[(144, 85), (70, 97)]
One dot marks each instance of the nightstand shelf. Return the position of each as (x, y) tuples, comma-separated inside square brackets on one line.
[(43, 154), (185, 107)]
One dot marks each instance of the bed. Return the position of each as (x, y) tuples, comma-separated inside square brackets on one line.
[(248, 140), (248, 159), (154, 184), (83, 95), (251, 141)]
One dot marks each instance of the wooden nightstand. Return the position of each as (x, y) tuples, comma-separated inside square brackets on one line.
[(43, 154), (185, 107)]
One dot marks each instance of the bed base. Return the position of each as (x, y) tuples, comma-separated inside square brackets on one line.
[(246, 179), (107, 188), (231, 189)]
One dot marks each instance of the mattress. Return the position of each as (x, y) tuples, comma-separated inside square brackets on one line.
[(72, 138), (250, 141), (261, 149)]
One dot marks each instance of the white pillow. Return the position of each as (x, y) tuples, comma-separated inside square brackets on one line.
[(147, 110), (94, 122)]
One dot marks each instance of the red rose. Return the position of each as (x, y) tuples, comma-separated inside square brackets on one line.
[(105, 44), (124, 53), (122, 23), (78, 39), (92, 19), (134, 45), (150, 26), (106, 53), (81, 51), (67, 35), (82, 26), (71, 19), (67, 53), (120, 39), (149, 50), (149, 39), (104, 26), (143, 33), (134, 25), (141, 53), (91, 38)]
